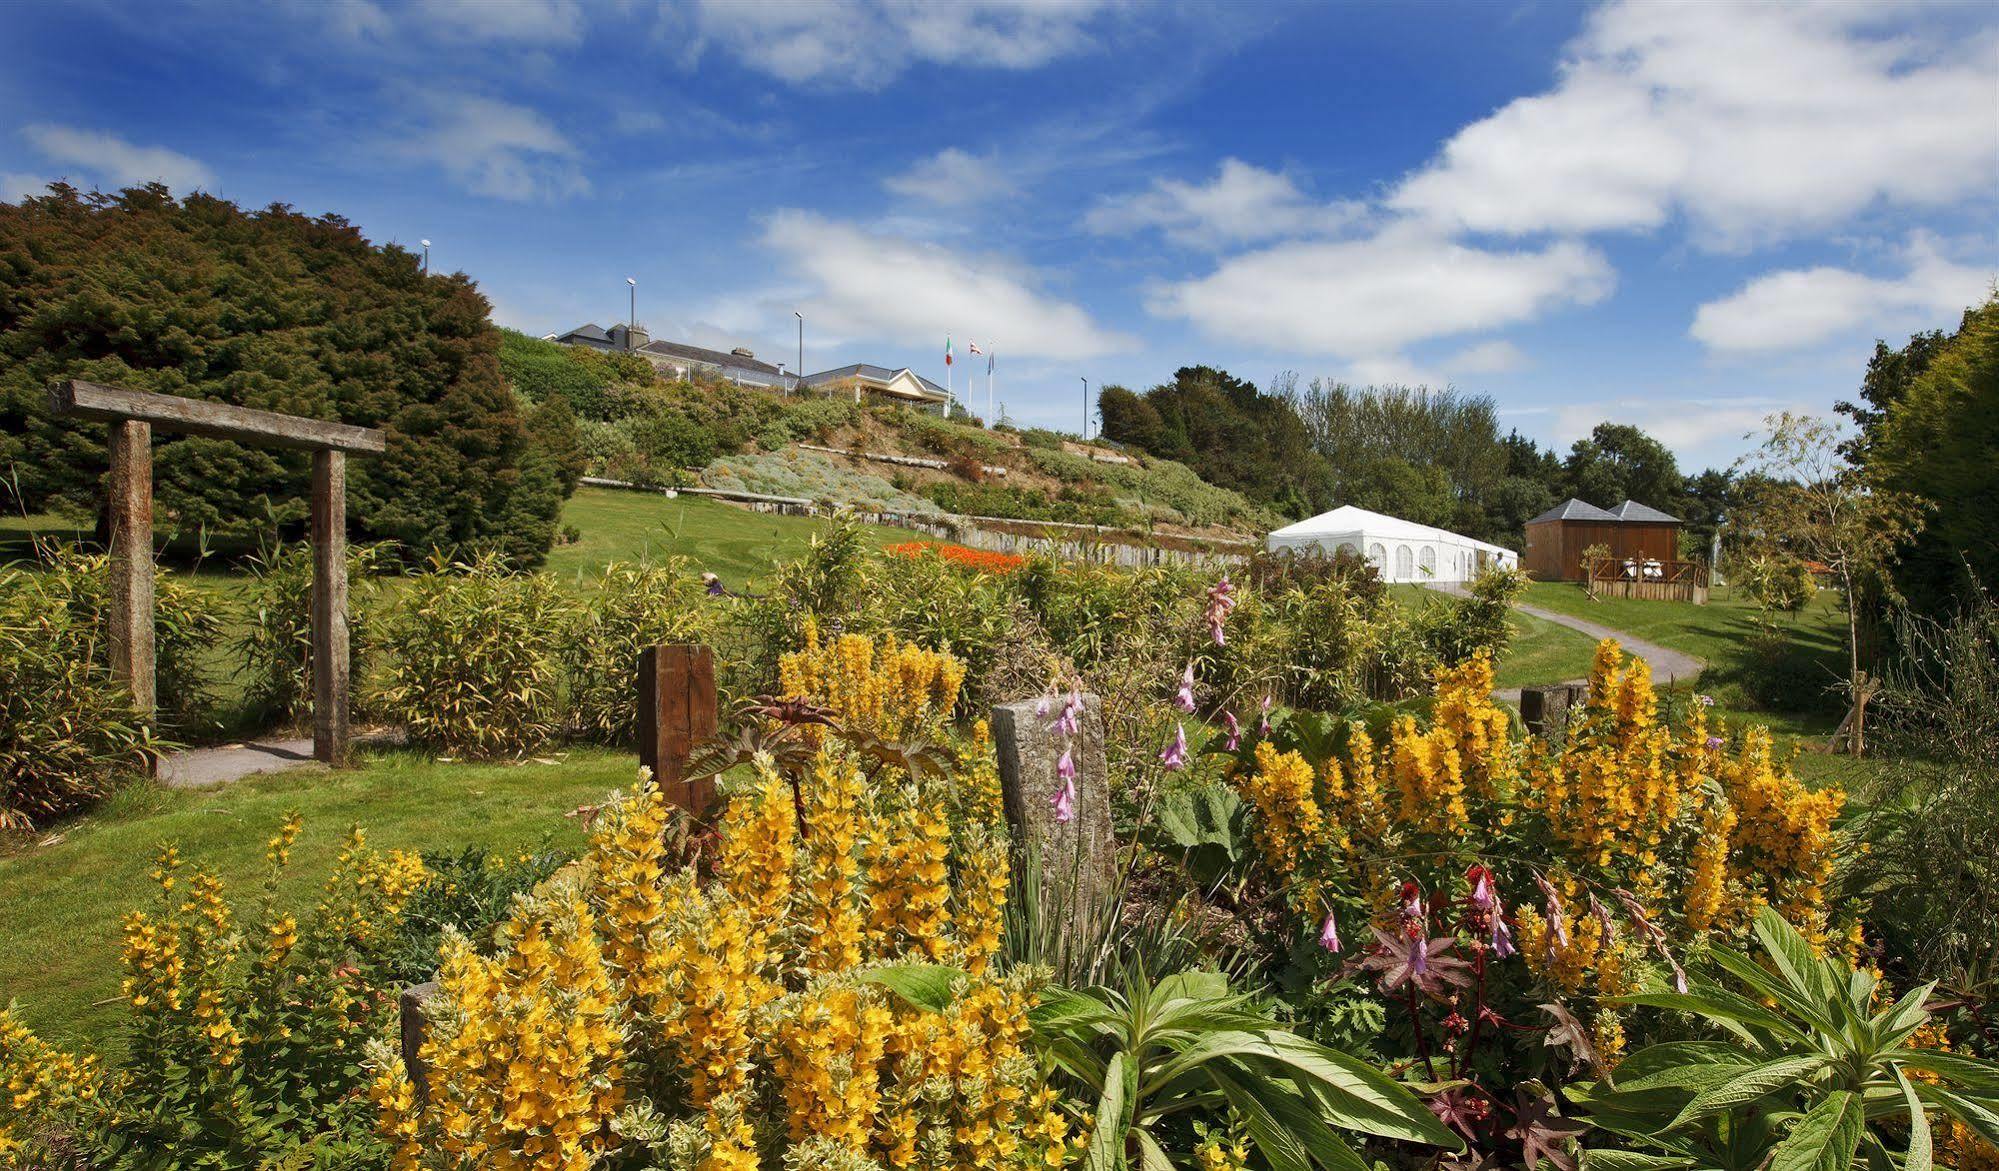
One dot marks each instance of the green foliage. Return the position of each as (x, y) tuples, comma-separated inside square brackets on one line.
[(469, 892), (541, 370), (473, 655), (1479, 622), (1618, 462), (1071, 505), (67, 730), (1935, 441), (1812, 1073), (812, 476), (275, 641), (1778, 582), (1150, 1053), (632, 607), (268, 309), (1232, 435), (1161, 488)]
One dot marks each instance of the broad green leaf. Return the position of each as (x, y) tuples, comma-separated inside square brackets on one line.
[(1981, 1114), (1721, 1005), (1964, 1073), (1825, 1139), (1631, 1161), (1113, 1117), (1197, 986), (1919, 1126), (924, 986), (1692, 1065), (1794, 957), (1280, 1147), (1744, 1088), (1152, 1156), (1904, 1017), (1360, 1096), (1748, 971)]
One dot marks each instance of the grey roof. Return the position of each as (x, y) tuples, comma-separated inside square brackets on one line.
[(589, 330), (1632, 510), (876, 373), (709, 357), (1573, 509)]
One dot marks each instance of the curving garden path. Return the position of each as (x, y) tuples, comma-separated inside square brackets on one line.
[(1667, 664)]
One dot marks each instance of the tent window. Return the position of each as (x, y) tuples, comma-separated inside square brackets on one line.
[(1378, 553), (1348, 547), (1428, 560), (1405, 562)]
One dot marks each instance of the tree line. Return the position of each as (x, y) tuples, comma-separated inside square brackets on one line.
[(1435, 457)]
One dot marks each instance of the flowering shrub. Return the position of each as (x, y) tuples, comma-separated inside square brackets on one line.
[(888, 689), (245, 1037), (757, 1011), (983, 560), (1628, 844)]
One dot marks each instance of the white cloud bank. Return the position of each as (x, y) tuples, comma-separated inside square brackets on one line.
[(1244, 204), (1793, 308), (1369, 297), (865, 44), (495, 148), (1756, 120), (953, 178), (115, 162), (871, 286)]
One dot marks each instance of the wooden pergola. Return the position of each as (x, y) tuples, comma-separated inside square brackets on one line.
[(132, 415)]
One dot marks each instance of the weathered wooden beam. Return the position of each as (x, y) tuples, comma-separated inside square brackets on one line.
[(677, 710), (330, 735), (91, 400), (1076, 858), (131, 569)]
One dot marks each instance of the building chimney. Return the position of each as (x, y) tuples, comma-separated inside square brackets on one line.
[(636, 337), (743, 352)]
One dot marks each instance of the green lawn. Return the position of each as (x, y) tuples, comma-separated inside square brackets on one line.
[(1716, 632), (734, 543), (66, 893), (1541, 651)]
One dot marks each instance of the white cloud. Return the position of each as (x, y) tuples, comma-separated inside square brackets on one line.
[(113, 161), (953, 178), (538, 22), (865, 44), (1800, 307), (1699, 431), (1756, 120), (1244, 204), (1370, 297), (496, 148), (1493, 357), (16, 186), (888, 288), (1390, 370)]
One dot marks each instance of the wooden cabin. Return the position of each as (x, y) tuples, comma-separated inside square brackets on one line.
[(1644, 546)]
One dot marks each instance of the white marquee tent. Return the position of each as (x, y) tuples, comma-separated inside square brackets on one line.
[(1401, 550)]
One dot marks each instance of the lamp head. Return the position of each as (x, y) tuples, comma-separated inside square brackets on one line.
[(632, 280), (425, 243)]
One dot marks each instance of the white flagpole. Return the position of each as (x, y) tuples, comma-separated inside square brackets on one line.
[(990, 421)]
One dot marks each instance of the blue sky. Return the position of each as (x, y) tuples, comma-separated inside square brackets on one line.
[(1685, 216)]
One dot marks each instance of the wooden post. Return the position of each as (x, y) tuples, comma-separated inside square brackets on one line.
[(1076, 859), (677, 710), (1545, 710), (131, 505), (329, 607)]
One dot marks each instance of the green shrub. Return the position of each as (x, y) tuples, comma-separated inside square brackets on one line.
[(474, 659), (542, 370), (632, 608), (1480, 621), (66, 729), (186, 625), (276, 642), (470, 893), (811, 476), (1005, 500), (672, 440), (1778, 583)]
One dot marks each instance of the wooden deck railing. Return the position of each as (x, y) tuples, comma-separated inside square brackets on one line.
[(1647, 577)]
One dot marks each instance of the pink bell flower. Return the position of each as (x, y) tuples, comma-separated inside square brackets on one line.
[(1329, 934), (1184, 700), (1175, 756), (1064, 801)]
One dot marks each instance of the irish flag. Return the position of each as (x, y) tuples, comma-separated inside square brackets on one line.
[(947, 349)]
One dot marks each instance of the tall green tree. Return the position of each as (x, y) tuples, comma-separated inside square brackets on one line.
[(1936, 437), (1227, 430), (275, 310), (1619, 462)]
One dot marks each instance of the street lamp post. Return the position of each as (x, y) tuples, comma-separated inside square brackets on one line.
[(426, 258), (801, 346), (633, 322), (1086, 410)]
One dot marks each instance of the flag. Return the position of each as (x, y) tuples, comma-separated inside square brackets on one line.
[(989, 363), (947, 349), (974, 347)]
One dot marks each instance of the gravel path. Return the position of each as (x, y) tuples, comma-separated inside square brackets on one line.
[(206, 768), (1667, 665)]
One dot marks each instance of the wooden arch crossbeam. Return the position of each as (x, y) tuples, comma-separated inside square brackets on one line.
[(132, 415)]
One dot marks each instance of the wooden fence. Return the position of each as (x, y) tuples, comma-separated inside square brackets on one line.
[(1648, 578)]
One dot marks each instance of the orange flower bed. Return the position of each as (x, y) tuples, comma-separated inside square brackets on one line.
[(979, 559)]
